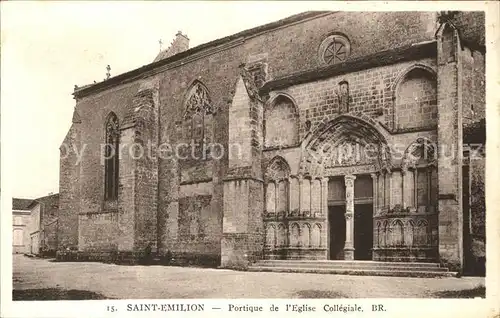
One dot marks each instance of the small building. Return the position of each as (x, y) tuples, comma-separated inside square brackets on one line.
[(20, 220), (42, 227)]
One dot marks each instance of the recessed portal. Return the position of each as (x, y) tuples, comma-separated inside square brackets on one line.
[(336, 221), (363, 231)]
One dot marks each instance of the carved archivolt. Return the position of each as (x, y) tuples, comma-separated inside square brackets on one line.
[(347, 140)]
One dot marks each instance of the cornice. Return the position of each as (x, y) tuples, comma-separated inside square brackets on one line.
[(383, 58)]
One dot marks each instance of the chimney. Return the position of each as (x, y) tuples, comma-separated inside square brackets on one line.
[(178, 45)]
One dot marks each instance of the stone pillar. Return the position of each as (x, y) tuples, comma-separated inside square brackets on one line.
[(449, 137), (301, 194), (388, 189), (289, 195), (324, 197), (384, 190), (403, 187), (137, 220), (381, 191), (325, 233), (415, 189), (242, 227), (349, 217), (429, 188), (375, 190)]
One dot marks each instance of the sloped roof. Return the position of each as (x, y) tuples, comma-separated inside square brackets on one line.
[(21, 204), (471, 26), (51, 200), (86, 89)]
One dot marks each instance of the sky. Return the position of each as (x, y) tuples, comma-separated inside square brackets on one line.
[(48, 47)]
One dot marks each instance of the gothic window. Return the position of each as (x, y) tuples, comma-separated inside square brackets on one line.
[(334, 49), (111, 160), (198, 119)]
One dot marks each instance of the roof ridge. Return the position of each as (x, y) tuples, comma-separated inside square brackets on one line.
[(81, 91)]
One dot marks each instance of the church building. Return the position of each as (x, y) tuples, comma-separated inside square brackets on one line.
[(322, 136)]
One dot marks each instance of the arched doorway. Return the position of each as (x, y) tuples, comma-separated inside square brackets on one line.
[(349, 150)]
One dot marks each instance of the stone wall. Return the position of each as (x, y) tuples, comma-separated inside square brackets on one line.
[(69, 188), (150, 196)]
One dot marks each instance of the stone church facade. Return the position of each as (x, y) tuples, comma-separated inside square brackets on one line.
[(326, 135)]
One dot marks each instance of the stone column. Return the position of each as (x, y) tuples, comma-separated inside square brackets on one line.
[(449, 133), (324, 197), (388, 189), (403, 187), (325, 233), (384, 190), (415, 189), (301, 194), (311, 185), (429, 187), (349, 217), (375, 208), (375, 192), (289, 195)]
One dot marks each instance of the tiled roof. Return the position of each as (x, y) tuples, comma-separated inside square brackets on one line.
[(21, 204), (51, 200)]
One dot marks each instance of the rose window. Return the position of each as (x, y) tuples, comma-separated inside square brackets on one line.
[(334, 49)]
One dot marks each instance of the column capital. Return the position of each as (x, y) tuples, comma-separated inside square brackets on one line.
[(350, 176), (349, 179), (374, 175)]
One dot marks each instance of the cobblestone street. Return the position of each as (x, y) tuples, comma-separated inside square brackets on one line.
[(161, 282)]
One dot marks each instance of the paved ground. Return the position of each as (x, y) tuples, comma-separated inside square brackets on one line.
[(95, 280)]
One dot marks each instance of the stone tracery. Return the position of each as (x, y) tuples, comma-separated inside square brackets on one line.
[(197, 119)]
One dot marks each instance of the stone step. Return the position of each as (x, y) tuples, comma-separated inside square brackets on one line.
[(348, 264), (346, 271), (355, 267), (373, 263)]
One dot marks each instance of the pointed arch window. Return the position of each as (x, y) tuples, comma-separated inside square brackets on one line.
[(198, 118), (111, 160)]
